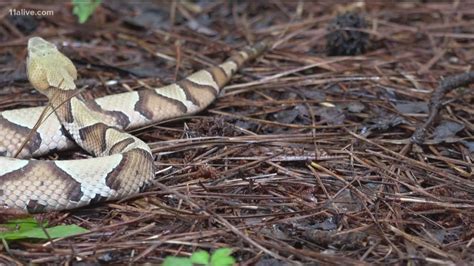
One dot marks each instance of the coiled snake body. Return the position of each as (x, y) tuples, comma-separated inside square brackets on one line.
[(123, 163)]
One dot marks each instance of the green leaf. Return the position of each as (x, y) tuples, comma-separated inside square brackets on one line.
[(221, 257), (26, 223), (84, 8), (29, 228), (222, 252), (177, 261), (200, 257), (223, 261)]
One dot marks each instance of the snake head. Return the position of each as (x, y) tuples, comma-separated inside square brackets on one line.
[(47, 67)]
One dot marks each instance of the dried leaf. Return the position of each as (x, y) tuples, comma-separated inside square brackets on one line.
[(412, 107), (445, 130)]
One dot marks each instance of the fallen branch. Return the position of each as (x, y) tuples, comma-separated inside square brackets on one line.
[(448, 84)]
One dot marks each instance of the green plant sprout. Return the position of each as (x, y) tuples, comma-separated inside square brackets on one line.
[(30, 228), (220, 257), (84, 8)]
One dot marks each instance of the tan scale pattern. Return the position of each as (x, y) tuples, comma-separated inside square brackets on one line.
[(13, 136), (49, 136), (38, 181)]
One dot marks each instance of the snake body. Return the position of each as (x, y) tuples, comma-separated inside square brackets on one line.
[(123, 165)]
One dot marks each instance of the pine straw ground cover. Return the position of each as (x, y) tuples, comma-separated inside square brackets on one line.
[(304, 159)]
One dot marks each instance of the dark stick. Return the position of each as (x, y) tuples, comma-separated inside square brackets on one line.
[(448, 84)]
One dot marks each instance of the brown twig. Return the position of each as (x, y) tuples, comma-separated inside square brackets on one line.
[(448, 84)]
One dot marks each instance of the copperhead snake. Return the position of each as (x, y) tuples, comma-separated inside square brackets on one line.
[(123, 164)]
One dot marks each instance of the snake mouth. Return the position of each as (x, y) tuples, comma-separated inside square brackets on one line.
[(47, 67)]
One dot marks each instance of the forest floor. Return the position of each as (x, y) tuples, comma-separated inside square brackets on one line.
[(310, 155)]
